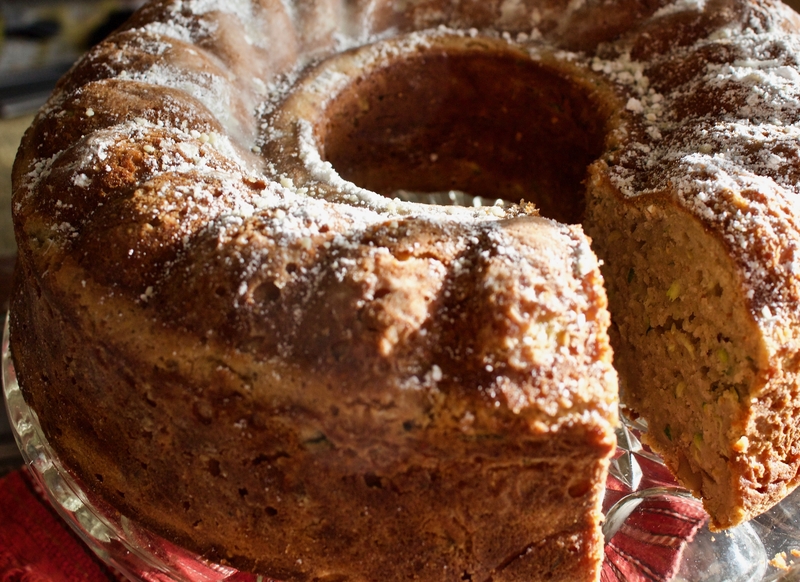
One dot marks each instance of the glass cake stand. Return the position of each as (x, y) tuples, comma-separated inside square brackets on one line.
[(654, 530)]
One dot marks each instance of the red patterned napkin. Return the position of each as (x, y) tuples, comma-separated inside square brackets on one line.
[(35, 544), (649, 545)]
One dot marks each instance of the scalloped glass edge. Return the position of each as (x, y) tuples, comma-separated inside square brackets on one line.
[(741, 554)]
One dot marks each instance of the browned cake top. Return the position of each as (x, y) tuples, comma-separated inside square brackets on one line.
[(167, 172)]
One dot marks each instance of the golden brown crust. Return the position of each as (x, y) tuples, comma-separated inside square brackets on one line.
[(282, 447), (351, 369)]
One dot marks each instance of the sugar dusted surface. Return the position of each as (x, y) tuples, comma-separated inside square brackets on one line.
[(706, 159), (742, 141)]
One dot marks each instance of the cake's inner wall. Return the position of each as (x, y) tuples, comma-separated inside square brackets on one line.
[(490, 125)]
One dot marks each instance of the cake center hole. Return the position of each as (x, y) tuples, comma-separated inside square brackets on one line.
[(467, 128)]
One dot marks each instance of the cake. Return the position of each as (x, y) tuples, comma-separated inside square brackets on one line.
[(237, 327)]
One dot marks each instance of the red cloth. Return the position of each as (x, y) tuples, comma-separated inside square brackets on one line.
[(649, 545), (35, 544)]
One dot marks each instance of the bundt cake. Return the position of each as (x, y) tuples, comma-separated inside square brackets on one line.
[(237, 326)]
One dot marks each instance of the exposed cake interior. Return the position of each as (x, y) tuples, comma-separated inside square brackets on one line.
[(492, 125), (686, 347)]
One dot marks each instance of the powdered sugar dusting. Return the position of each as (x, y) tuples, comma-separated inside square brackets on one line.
[(242, 9), (172, 29), (212, 91), (680, 6), (722, 140), (723, 134)]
